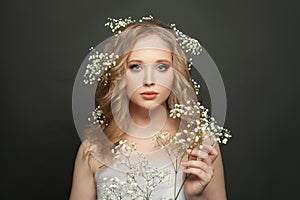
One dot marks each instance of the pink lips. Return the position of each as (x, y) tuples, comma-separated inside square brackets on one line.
[(149, 95)]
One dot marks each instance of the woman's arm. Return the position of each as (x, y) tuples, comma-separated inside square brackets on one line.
[(207, 176), (83, 184)]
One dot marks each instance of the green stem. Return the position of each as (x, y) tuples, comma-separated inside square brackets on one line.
[(186, 177), (174, 167), (175, 182), (137, 185)]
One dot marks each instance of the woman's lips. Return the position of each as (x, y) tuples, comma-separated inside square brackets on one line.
[(149, 95)]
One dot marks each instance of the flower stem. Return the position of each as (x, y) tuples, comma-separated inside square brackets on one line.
[(186, 177), (175, 183)]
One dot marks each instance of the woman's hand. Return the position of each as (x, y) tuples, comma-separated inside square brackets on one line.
[(199, 170)]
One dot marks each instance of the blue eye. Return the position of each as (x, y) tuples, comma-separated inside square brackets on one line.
[(136, 68), (162, 67)]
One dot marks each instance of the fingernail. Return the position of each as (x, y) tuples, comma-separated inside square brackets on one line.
[(207, 146), (183, 163)]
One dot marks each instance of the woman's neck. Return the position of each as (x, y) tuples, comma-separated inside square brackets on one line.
[(148, 122), (142, 116)]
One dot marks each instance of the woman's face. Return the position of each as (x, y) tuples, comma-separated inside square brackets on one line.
[(149, 73)]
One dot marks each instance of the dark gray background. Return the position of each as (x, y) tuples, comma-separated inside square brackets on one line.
[(254, 44)]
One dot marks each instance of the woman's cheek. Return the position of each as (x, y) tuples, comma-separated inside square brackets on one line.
[(133, 82), (165, 79)]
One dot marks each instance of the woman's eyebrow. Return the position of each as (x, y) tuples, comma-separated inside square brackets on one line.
[(157, 61), (134, 60), (163, 60)]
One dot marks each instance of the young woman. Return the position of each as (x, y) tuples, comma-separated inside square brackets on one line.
[(150, 75)]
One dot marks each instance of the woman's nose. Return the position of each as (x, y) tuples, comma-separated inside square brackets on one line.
[(148, 77)]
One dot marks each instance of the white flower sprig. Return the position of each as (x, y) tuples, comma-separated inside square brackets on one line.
[(200, 128), (187, 43), (196, 86), (98, 117), (199, 122), (116, 25), (98, 67), (139, 181)]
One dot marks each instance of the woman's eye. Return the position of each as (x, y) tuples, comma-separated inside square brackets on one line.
[(135, 68), (162, 67)]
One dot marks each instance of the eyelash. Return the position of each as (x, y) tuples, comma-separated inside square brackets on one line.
[(133, 66), (166, 67)]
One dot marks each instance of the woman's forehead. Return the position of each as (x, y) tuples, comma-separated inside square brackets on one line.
[(149, 55), (150, 42)]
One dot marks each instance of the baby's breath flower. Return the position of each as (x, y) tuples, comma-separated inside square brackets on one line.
[(99, 66), (129, 187), (199, 124), (98, 117), (187, 43)]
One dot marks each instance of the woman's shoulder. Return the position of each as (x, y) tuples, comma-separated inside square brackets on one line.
[(84, 150), (86, 155)]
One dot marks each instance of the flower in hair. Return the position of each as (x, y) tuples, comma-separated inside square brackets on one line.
[(98, 117), (116, 25), (100, 63), (196, 86), (98, 67), (187, 43)]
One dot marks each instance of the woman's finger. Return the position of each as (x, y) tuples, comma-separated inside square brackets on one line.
[(211, 151), (198, 164), (206, 177), (200, 155), (204, 152)]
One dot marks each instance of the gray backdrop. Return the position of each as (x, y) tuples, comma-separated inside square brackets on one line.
[(253, 43)]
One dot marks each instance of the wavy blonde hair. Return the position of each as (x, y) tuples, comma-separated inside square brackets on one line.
[(113, 95)]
